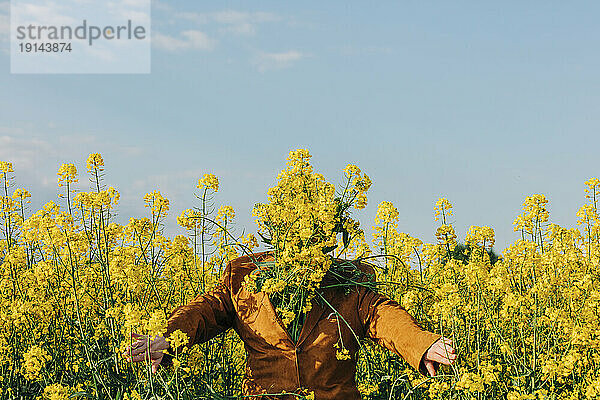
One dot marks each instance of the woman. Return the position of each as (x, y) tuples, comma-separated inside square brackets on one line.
[(276, 362)]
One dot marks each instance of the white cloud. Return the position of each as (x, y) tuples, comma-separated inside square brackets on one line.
[(268, 61), (177, 186), (23, 151), (189, 40), (241, 29), (136, 10), (199, 18), (219, 23), (242, 23), (31, 151), (134, 3), (12, 131), (230, 21)]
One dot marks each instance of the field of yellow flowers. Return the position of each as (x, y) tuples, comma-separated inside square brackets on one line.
[(75, 284)]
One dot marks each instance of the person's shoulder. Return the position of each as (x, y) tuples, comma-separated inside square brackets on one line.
[(350, 270), (249, 261), (241, 266), (359, 264), (366, 268)]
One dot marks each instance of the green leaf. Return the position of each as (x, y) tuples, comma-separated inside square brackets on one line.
[(345, 238), (264, 239), (328, 249)]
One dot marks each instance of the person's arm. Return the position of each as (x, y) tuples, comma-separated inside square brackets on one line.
[(390, 325), (202, 319), (207, 315)]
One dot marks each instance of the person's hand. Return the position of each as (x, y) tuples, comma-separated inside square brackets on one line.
[(439, 352), (139, 350)]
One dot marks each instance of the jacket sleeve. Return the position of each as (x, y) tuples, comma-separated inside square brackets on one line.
[(207, 315), (390, 325)]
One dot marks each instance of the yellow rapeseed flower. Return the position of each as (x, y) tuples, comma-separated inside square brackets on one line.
[(178, 339), (95, 162), (208, 181), (67, 173), (157, 203), (56, 391), (34, 360), (6, 167)]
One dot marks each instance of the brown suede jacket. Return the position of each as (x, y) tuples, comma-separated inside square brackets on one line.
[(274, 362)]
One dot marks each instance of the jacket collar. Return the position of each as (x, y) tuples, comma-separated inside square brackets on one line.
[(312, 318)]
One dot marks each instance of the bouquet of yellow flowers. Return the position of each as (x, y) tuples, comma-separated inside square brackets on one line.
[(301, 224)]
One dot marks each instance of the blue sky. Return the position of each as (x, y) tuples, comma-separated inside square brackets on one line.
[(483, 103)]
